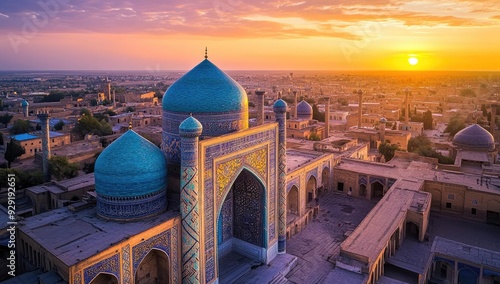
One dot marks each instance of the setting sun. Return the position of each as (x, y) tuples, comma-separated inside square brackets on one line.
[(413, 60)]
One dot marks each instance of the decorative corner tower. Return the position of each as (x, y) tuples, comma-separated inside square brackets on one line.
[(190, 130), (279, 108), (383, 121), (260, 106), (360, 110), (327, 117), (25, 106), (44, 122)]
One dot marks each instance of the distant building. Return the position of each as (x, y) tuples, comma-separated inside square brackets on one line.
[(32, 142)]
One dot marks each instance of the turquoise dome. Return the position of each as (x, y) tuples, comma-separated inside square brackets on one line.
[(190, 127), (24, 103), (131, 166), (280, 106), (205, 89)]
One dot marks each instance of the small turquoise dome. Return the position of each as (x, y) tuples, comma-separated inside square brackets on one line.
[(304, 110), (25, 103), (474, 137), (383, 120), (280, 106), (190, 127), (205, 89), (131, 166)]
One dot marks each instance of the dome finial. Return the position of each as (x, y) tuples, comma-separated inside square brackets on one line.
[(206, 52), (130, 125)]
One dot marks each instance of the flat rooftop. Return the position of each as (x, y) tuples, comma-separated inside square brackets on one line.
[(368, 240), (466, 252), (75, 236), (295, 159)]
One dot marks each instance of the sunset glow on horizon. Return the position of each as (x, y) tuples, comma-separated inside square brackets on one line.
[(245, 35)]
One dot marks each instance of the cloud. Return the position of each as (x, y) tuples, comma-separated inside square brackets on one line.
[(238, 18)]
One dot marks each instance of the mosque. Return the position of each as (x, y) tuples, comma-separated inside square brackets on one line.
[(215, 189), (219, 191)]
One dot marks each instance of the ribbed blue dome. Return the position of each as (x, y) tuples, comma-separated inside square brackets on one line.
[(304, 110), (130, 166), (190, 126), (280, 106), (205, 89), (24, 103), (474, 137)]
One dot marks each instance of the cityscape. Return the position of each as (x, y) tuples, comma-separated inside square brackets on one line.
[(279, 142)]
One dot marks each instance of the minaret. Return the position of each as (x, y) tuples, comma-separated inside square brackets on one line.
[(280, 111), (493, 118), (295, 100), (190, 130), (407, 109), (383, 121), (25, 105), (260, 106), (327, 117), (360, 108), (44, 122), (114, 98)]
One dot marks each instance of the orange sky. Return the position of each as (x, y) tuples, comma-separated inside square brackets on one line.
[(244, 35)]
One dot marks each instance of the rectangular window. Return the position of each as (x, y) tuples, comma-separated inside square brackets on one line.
[(448, 205), (451, 196), (473, 211), (474, 202)]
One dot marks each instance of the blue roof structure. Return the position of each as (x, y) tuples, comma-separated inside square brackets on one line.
[(25, 103), (304, 108), (29, 136), (130, 167), (474, 137), (24, 137), (280, 106), (205, 89), (190, 125)]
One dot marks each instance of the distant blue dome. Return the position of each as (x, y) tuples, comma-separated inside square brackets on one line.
[(205, 89), (130, 179), (280, 106), (474, 137), (25, 103), (383, 120), (304, 110)]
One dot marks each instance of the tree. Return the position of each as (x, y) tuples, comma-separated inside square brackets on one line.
[(130, 109), (316, 114), (21, 126), (456, 124), (14, 150), (387, 149), (5, 118), (59, 125), (60, 167), (88, 124), (89, 167), (419, 141), (427, 119)]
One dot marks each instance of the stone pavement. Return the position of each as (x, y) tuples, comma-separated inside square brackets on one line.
[(318, 245)]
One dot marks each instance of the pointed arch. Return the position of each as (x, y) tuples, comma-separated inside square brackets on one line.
[(104, 278), (153, 268)]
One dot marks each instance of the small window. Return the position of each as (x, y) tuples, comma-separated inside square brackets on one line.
[(448, 205), (473, 211), (451, 197), (474, 202)]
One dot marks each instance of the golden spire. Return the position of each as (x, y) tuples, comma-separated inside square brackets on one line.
[(206, 53), (130, 125)]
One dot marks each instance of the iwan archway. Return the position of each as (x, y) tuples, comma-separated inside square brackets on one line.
[(241, 226)]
